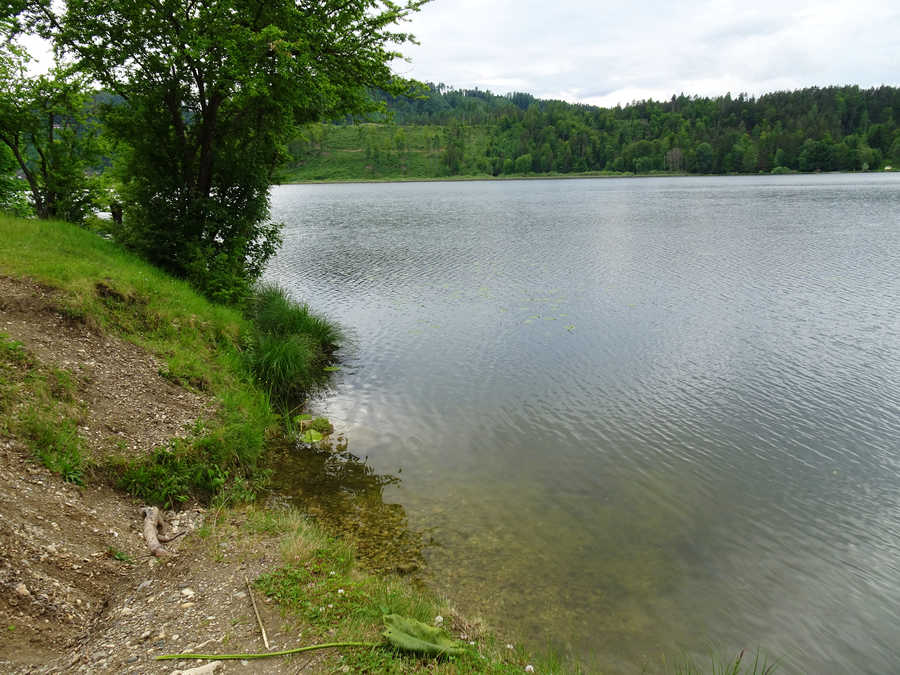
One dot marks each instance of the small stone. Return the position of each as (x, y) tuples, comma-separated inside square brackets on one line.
[(131, 659), (188, 592), (22, 590), (144, 584), (187, 605), (146, 635), (98, 656)]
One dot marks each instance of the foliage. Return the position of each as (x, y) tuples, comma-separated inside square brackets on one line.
[(477, 133), (208, 93), (45, 129), (12, 190), (414, 636), (320, 424)]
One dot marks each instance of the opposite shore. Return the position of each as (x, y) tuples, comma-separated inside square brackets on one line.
[(567, 176)]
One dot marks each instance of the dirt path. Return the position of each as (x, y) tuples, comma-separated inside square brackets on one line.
[(78, 590)]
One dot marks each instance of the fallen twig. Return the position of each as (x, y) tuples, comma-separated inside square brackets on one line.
[(284, 652), (262, 629)]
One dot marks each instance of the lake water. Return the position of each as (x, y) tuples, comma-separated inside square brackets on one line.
[(634, 418)]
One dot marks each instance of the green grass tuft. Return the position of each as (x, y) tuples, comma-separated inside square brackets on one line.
[(55, 442), (274, 313), (290, 346)]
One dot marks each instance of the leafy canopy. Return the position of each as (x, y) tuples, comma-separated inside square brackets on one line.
[(208, 93), (46, 135)]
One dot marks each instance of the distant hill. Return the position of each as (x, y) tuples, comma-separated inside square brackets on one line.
[(452, 132)]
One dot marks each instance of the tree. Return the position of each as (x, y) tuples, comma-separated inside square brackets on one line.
[(44, 126), (210, 93), (779, 158), (704, 157), (523, 163), (12, 196), (454, 148)]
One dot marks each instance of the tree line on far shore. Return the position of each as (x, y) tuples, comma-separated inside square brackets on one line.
[(447, 132)]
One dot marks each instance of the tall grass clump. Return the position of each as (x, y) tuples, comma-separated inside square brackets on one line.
[(290, 346)]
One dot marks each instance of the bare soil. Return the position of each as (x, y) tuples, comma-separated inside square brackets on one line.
[(79, 591)]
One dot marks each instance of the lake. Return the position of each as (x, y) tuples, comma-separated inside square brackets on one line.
[(631, 418)]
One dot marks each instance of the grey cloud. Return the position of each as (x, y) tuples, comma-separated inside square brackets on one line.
[(612, 51)]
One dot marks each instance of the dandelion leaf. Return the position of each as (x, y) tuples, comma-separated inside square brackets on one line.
[(414, 636)]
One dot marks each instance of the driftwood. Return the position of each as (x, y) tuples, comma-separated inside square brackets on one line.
[(155, 529)]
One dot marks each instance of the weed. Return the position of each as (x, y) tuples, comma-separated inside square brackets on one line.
[(121, 556), (739, 665), (320, 424), (61, 384), (55, 442), (170, 475), (12, 350)]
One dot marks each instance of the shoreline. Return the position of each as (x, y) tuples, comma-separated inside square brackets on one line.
[(579, 176), (92, 381)]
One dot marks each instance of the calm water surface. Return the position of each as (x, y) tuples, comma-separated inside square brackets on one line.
[(636, 417)]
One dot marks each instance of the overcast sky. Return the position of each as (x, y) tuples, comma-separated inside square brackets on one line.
[(606, 53)]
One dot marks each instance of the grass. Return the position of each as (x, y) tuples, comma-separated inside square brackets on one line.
[(37, 405), (742, 664), (290, 348), (323, 593), (252, 362)]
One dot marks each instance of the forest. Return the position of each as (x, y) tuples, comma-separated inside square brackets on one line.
[(444, 132)]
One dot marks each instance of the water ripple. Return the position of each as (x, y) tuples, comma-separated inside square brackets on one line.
[(673, 404)]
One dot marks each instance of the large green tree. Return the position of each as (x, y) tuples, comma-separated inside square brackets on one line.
[(209, 93), (45, 130)]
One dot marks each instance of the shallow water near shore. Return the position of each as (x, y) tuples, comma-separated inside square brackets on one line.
[(628, 417)]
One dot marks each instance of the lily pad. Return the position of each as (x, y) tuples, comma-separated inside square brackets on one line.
[(414, 636)]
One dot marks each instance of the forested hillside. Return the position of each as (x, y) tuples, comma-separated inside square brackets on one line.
[(449, 132)]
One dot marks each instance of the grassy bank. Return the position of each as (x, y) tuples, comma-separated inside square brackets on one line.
[(256, 362)]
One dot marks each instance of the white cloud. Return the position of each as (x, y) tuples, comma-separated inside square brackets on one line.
[(608, 53)]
